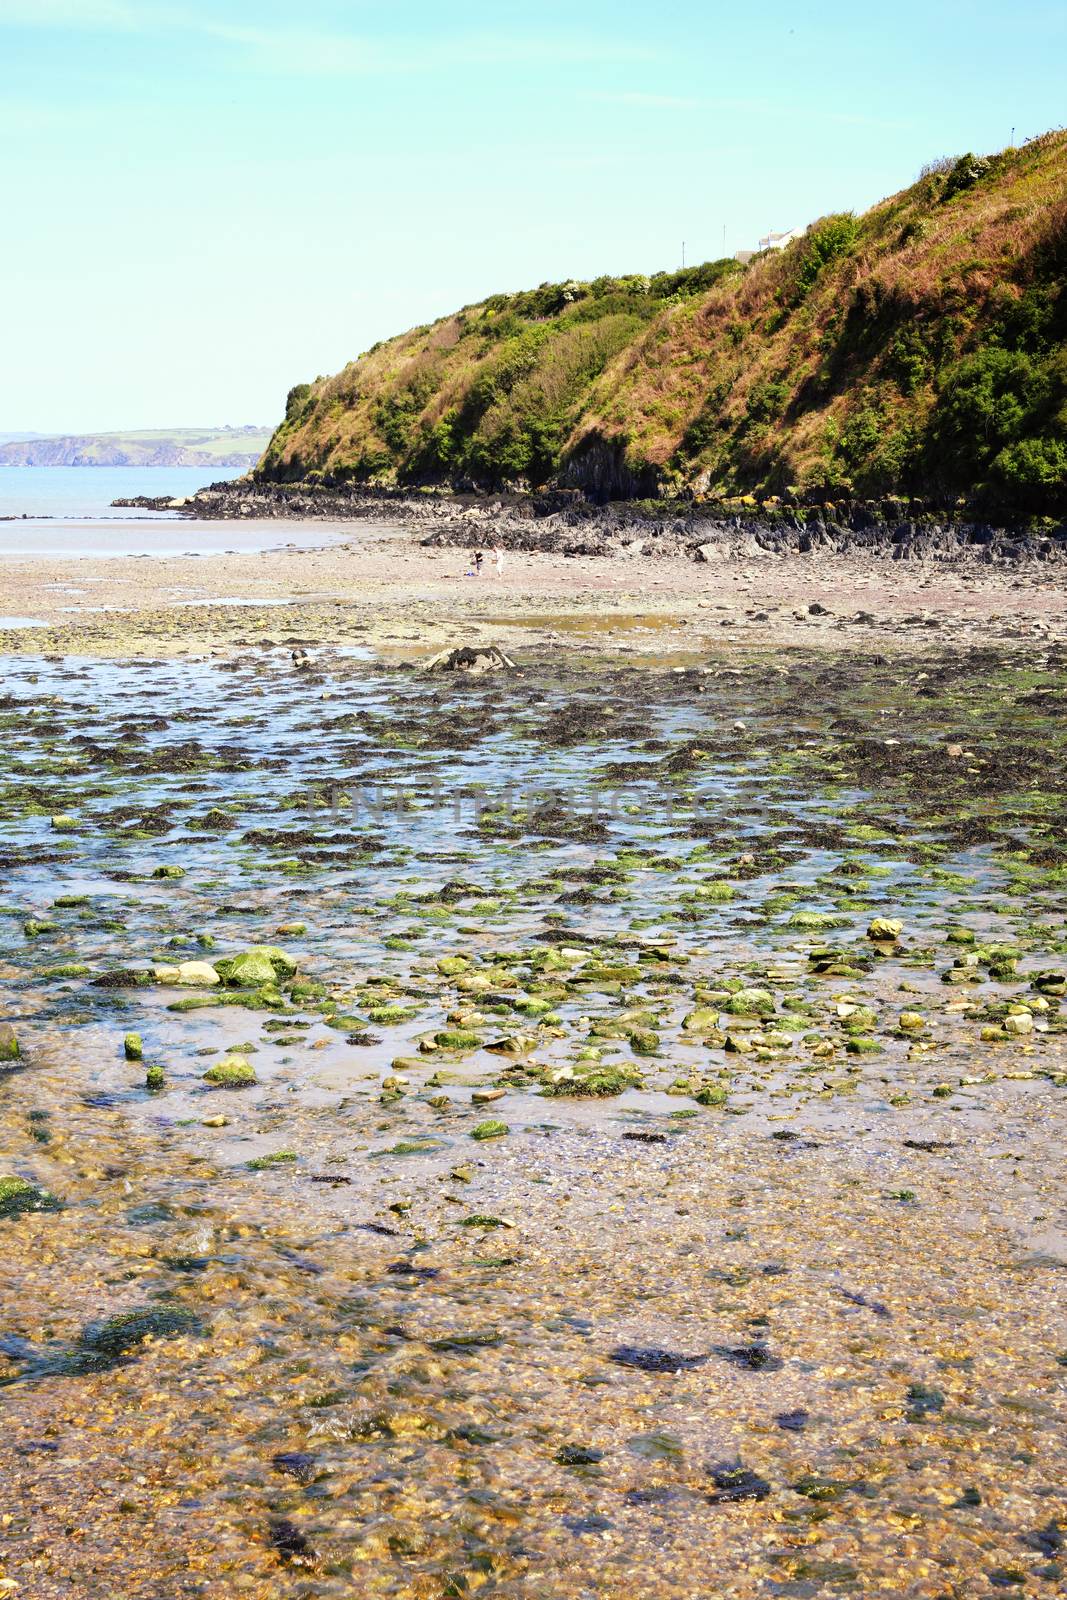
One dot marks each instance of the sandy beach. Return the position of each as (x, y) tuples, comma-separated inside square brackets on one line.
[(376, 585)]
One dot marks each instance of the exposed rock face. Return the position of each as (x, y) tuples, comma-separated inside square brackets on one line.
[(564, 522)]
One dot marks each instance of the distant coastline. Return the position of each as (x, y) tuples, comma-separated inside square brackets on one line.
[(238, 448)]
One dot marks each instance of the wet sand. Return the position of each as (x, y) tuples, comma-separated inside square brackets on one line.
[(378, 586)]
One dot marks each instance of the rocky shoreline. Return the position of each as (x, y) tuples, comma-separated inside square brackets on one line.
[(564, 522)]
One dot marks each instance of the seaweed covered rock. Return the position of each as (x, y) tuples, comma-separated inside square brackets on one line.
[(263, 964), (9, 1044), (750, 1003), (17, 1197), (491, 1129), (592, 1079), (232, 1072)]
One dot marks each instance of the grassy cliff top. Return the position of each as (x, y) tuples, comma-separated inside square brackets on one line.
[(917, 348)]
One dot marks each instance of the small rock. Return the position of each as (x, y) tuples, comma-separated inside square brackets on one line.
[(578, 1455), (737, 1483), (490, 1130), (232, 1072), (755, 1357), (650, 1358), (296, 1464)]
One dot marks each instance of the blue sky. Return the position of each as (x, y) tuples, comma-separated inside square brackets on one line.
[(206, 203)]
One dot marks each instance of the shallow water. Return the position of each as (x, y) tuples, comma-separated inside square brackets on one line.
[(155, 536), (429, 1320), (87, 492)]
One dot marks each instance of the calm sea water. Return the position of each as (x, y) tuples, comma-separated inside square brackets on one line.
[(66, 513), (77, 492)]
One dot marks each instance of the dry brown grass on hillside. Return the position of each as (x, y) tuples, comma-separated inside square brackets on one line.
[(825, 362)]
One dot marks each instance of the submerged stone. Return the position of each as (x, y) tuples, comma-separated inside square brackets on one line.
[(651, 1358), (578, 1455), (18, 1197), (756, 1357), (106, 1342), (296, 1464), (232, 1072), (733, 1483), (490, 1130)]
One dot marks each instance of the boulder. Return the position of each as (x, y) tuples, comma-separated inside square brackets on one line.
[(9, 1044), (232, 1072), (471, 659), (263, 964)]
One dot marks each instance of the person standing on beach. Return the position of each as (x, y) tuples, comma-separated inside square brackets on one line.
[(498, 552), (478, 563)]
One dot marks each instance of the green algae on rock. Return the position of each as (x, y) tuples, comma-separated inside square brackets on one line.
[(232, 1072), (252, 969), (18, 1197)]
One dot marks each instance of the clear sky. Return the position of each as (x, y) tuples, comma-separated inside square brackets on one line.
[(207, 201)]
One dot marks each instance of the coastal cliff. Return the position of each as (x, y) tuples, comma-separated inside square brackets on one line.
[(915, 350)]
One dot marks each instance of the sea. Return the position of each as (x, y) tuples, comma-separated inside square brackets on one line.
[(67, 512), (87, 492)]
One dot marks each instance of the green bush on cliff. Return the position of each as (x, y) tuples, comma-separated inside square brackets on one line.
[(295, 400), (1003, 414), (964, 174), (1033, 467), (917, 348), (825, 243)]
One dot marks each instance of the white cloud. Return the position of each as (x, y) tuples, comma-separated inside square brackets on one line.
[(313, 52), (92, 15)]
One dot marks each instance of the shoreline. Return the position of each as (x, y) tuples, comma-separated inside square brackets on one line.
[(566, 522), (377, 586), (635, 1030)]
